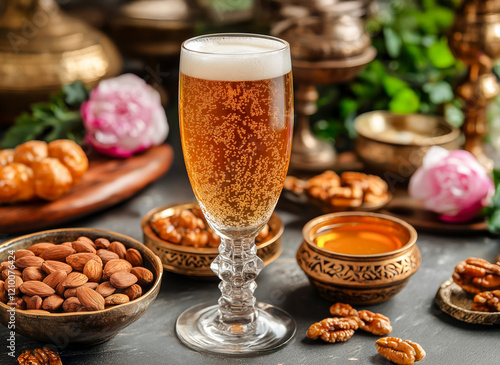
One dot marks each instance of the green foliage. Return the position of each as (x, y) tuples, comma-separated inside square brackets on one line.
[(413, 72), (59, 118), (492, 212)]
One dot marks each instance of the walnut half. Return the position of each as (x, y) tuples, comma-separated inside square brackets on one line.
[(41, 356), (338, 329), (401, 352)]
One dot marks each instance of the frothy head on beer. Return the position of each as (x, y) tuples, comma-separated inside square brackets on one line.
[(235, 58)]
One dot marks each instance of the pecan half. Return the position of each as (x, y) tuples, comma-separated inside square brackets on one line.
[(477, 275), (401, 352), (42, 356), (338, 329), (375, 323), (343, 310), (488, 301)]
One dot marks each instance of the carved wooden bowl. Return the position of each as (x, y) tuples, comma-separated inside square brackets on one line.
[(80, 328), (359, 279), (195, 262)]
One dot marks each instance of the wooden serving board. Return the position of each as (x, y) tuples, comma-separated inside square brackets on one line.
[(108, 181)]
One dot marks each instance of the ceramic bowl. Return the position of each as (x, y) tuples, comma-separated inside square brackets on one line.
[(393, 145), (358, 279), (195, 262), (80, 328)]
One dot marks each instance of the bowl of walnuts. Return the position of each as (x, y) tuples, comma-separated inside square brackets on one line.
[(76, 285), (179, 234)]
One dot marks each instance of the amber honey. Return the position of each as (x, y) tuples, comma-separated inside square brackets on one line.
[(358, 239)]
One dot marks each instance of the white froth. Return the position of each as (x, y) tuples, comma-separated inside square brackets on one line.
[(242, 58)]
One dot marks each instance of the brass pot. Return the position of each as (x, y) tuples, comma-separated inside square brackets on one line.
[(393, 145), (195, 262), (359, 279)]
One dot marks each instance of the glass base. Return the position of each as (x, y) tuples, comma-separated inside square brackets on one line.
[(196, 329)]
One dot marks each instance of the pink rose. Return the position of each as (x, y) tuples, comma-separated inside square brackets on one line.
[(452, 184), (124, 116)]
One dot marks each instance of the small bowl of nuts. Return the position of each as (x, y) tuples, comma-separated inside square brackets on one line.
[(186, 245), (76, 285), (358, 257)]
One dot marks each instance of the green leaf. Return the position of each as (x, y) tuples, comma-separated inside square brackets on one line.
[(393, 42), (440, 55), (440, 92), (75, 94), (405, 101), (494, 222), (347, 107), (392, 85)]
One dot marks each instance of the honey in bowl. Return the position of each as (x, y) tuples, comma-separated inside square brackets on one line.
[(358, 239)]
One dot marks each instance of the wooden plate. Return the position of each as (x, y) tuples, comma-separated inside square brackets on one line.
[(107, 182), (456, 302)]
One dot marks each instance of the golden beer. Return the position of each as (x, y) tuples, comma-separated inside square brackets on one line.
[(236, 139)]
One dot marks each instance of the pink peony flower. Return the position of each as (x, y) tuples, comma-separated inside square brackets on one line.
[(124, 116), (452, 184)]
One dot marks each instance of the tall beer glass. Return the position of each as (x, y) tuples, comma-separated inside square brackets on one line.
[(236, 112)]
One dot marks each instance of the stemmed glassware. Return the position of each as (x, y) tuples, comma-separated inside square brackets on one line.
[(236, 116)]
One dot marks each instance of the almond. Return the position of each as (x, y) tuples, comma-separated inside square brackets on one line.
[(50, 266), (33, 273), (86, 240), (90, 299), (38, 248), (144, 276), (74, 279), (57, 253), (113, 266), (134, 257), (3, 292), (133, 291), (106, 255), (71, 304), (122, 279), (118, 248), (81, 246), (52, 303), (93, 270), (21, 253), (36, 288), (4, 265), (78, 260), (55, 278), (101, 243), (68, 293), (13, 282), (116, 299), (27, 261), (33, 302), (17, 303), (60, 290), (9, 272), (105, 289), (69, 244)]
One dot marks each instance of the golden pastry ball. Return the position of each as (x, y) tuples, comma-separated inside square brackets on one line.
[(71, 155), (52, 178), (6, 157), (30, 152), (16, 183)]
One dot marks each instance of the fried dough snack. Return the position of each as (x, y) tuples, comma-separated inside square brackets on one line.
[(37, 169)]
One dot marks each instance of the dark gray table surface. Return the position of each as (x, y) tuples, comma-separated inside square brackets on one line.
[(152, 339)]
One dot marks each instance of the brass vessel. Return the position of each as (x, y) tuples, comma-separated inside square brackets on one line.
[(327, 48), (195, 262), (358, 279), (393, 145), (474, 39), (41, 48)]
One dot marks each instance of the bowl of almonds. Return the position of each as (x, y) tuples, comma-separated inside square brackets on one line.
[(186, 245), (75, 285)]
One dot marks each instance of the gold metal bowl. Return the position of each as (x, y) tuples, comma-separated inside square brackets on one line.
[(359, 279), (195, 262), (80, 328), (396, 144)]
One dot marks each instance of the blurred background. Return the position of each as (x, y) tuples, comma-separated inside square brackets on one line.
[(46, 43)]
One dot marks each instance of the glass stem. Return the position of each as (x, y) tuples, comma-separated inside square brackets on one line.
[(237, 266)]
